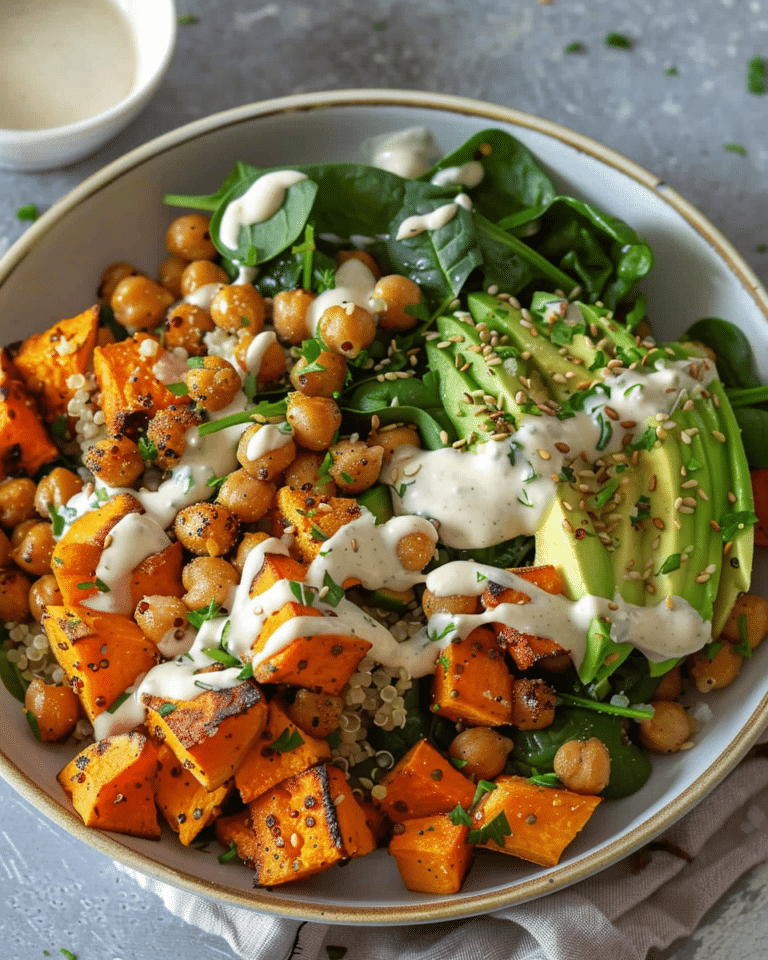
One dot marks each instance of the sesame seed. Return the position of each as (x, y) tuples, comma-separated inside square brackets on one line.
[(720, 437), (443, 344), (702, 578), (731, 497), (686, 509), (545, 454), (659, 523), (562, 447), (610, 412)]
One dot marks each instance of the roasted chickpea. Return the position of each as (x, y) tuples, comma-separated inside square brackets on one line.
[(304, 474), (18, 533), (671, 685), (315, 420), (169, 275), (249, 541), (213, 384), (583, 766), (110, 278), (454, 604), (17, 501), (168, 430), (265, 450), (415, 550), (346, 329), (139, 303), (397, 293), (533, 705), (754, 609), (356, 466), (237, 306), (14, 596), (201, 273), (207, 529), (186, 326), (5, 550), (56, 709), (483, 750), (44, 592), (189, 237), (394, 437), (289, 315), (317, 714), (208, 579), (363, 256), (715, 672), (668, 730), (33, 554), (246, 496), (160, 616), (271, 363), (115, 460), (326, 375), (56, 489)]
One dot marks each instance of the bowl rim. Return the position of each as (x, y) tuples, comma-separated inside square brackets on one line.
[(26, 138), (458, 905)]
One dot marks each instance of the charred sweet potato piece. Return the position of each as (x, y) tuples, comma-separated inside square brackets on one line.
[(315, 518), (432, 854), (277, 567), (101, 654), (235, 828), (111, 784), (542, 820), (183, 801), (280, 751), (159, 573), (472, 682), (423, 783), (24, 441), (211, 734)]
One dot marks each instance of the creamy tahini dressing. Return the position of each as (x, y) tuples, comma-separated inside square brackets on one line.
[(419, 223), (257, 348), (260, 201), (271, 436), (355, 284), (468, 175), (408, 153)]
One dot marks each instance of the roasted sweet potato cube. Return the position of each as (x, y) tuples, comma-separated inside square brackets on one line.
[(111, 784), (131, 394), (423, 783), (183, 801), (542, 820), (101, 654), (277, 567), (306, 824), (432, 854), (318, 661), (315, 518), (211, 734), (236, 828), (24, 441), (159, 573), (47, 360), (280, 751), (472, 682)]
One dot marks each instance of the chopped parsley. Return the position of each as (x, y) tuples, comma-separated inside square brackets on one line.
[(28, 212), (120, 700), (672, 71), (198, 617), (732, 523), (495, 830), (223, 657), (618, 41), (735, 148), (148, 449), (335, 592), (459, 816), (178, 389), (743, 647), (287, 741), (671, 563), (166, 708), (756, 76), (302, 594), (434, 637), (576, 46), (230, 854), (98, 584), (483, 787)]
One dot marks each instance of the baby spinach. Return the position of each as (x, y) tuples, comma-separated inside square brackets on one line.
[(416, 402), (210, 201)]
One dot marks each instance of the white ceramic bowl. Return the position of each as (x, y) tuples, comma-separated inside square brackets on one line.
[(153, 26), (117, 215)]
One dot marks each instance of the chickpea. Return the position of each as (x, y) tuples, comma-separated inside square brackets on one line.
[(236, 306), (304, 474), (186, 326), (116, 460), (415, 550), (213, 384), (356, 466), (260, 463), (14, 596), (17, 501), (555, 662), (110, 278), (249, 541), (33, 554), (206, 579), (397, 293), (169, 275), (391, 438), (5, 550), (315, 420), (671, 685), (316, 714), (363, 256), (669, 728), (716, 672), (755, 611), (200, 273), (483, 750), (139, 303), (272, 364), (207, 529), (43, 593), (328, 376), (346, 331), (247, 497), (189, 237), (158, 616), (533, 705), (289, 315), (167, 430), (56, 489), (583, 766), (18, 533), (454, 604), (56, 709)]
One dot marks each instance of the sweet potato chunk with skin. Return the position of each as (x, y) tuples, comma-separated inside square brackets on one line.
[(543, 820), (432, 854), (236, 828), (101, 654), (299, 508), (277, 567), (472, 682), (423, 783), (111, 784), (24, 442), (47, 360), (304, 825), (183, 801), (211, 734), (159, 573), (265, 766)]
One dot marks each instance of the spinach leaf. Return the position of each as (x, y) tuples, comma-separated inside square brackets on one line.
[(416, 403), (284, 272), (753, 423), (731, 348), (210, 201)]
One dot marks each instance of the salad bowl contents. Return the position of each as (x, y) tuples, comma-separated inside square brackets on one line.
[(377, 526)]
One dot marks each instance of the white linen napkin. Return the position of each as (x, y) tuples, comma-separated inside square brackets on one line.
[(648, 900)]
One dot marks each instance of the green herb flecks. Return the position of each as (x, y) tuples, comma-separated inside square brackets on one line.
[(756, 76), (287, 741), (28, 212)]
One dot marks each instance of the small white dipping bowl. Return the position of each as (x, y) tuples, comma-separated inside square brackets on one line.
[(152, 24)]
